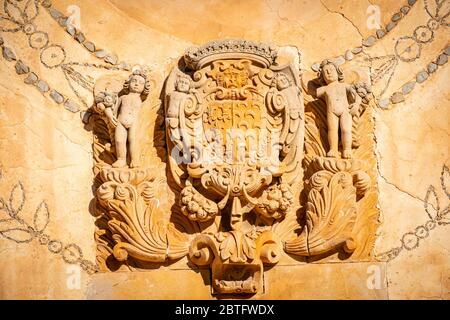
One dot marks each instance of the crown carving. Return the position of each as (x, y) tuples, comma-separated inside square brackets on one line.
[(199, 56)]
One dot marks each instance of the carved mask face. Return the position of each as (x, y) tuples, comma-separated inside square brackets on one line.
[(137, 84), (183, 85), (329, 73)]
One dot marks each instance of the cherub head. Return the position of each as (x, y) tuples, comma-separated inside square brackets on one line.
[(282, 81), (183, 83), (138, 83), (330, 72)]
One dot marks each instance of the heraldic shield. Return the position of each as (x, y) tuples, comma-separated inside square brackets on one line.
[(235, 129)]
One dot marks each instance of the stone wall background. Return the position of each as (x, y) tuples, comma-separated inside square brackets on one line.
[(46, 147)]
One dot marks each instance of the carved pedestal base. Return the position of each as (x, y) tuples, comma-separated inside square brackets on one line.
[(331, 209), (236, 259)]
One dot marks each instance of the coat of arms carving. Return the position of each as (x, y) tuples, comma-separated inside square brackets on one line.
[(238, 119), (249, 164)]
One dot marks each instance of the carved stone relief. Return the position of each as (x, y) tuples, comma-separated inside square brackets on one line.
[(254, 163), (240, 129)]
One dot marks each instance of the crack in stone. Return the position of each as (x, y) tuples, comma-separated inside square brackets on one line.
[(343, 16), (405, 192), (378, 160), (122, 13)]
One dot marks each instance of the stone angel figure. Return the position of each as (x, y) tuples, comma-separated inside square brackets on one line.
[(345, 101), (175, 101), (339, 109), (121, 111), (285, 96)]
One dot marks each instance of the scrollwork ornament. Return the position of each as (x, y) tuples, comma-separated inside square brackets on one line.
[(232, 117)]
